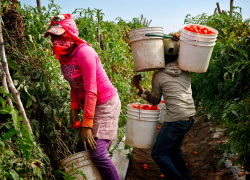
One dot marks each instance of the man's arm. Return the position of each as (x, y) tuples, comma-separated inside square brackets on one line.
[(154, 96)]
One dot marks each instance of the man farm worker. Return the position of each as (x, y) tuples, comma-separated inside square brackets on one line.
[(91, 90), (175, 86)]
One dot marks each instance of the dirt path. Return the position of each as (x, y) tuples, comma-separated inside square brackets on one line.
[(202, 166)]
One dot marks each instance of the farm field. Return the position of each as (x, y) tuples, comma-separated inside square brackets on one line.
[(35, 133)]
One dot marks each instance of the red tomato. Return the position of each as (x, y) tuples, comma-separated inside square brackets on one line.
[(77, 125), (163, 101), (195, 153), (219, 125), (162, 176), (154, 107), (147, 107), (195, 30), (204, 31), (135, 106), (145, 167), (158, 128), (186, 164), (210, 31)]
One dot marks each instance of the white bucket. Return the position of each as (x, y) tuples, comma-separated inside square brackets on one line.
[(141, 127), (163, 113), (195, 50), (142, 112), (83, 162), (148, 51)]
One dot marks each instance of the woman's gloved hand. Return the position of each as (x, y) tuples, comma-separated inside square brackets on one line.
[(86, 137), (73, 117)]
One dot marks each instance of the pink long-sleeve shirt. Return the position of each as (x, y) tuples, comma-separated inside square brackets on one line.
[(89, 83)]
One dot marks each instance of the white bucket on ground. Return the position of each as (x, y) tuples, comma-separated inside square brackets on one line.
[(163, 113), (141, 127), (148, 51), (83, 162), (195, 50)]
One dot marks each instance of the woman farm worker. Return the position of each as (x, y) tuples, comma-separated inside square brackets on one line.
[(91, 90)]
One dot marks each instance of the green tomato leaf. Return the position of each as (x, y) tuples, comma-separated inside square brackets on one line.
[(221, 161), (3, 102), (12, 63), (29, 102), (14, 174), (9, 134)]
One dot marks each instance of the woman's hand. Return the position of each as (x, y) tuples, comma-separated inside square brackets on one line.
[(73, 117), (86, 136)]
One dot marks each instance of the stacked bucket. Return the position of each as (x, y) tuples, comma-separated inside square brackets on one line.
[(141, 126)]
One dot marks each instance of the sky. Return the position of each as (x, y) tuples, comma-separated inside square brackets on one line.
[(169, 14)]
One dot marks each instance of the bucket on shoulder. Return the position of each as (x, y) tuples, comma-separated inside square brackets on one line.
[(148, 51), (195, 50)]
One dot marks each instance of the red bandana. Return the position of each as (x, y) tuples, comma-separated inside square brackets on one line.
[(62, 44)]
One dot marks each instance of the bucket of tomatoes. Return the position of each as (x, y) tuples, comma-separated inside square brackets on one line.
[(200, 29), (143, 110), (196, 46)]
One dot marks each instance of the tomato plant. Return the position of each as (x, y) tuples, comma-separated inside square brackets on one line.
[(222, 92)]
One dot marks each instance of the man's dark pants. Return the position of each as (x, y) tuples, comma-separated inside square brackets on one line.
[(167, 152)]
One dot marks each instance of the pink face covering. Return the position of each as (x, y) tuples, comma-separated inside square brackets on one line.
[(62, 44)]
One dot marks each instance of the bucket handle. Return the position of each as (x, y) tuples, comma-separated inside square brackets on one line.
[(158, 35)]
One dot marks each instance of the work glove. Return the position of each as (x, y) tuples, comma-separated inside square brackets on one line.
[(73, 117), (85, 135)]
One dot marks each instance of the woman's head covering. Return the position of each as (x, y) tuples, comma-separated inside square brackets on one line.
[(64, 23)]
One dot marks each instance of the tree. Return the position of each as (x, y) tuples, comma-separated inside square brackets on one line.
[(38, 2)]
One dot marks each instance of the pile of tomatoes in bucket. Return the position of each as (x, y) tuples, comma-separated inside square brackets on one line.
[(200, 29), (147, 107)]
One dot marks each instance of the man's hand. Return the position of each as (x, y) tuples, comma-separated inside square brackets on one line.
[(85, 136), (73, 117), (136, 81), (177, 36)]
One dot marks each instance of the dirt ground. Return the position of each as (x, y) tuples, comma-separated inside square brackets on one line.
[(202, 166)]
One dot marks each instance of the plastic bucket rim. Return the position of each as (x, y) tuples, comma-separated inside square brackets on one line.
[(192, 43), (188, 36), (145, 28), (75, 154)]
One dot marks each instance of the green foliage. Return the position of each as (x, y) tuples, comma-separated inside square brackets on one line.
[(44, 92), (223, 91), (19, 156)]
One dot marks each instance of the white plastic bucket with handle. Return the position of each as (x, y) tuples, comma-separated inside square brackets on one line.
[(140, 133), (83, 162), (141, 127), (195, 50), (148, 51)]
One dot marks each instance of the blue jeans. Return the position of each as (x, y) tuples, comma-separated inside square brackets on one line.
[(167, 153)]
